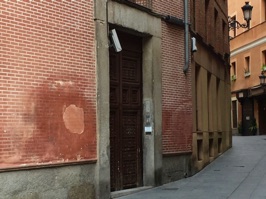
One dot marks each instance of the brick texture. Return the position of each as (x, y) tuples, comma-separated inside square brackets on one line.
[(47, 65), (210, 23), (177, 93)]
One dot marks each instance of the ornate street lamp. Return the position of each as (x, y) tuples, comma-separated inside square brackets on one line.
[(247, 12), (262, 79)]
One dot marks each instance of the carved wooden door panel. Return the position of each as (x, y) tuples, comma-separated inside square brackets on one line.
[(126, 114)]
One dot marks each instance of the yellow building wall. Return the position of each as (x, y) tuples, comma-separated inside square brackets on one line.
[(212, 130)]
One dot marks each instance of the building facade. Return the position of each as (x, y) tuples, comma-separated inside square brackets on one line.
[(248, 56), (81, 118), (48, 99), (210, 81), (164, 139)]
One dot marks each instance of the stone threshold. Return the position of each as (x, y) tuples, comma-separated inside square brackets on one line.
[(117, 194)]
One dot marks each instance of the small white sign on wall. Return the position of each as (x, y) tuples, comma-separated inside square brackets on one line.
[(148, 129)]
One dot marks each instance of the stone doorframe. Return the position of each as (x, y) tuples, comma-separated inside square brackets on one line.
[(149, 27)]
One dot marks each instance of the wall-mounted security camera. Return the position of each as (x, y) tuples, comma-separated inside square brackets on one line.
[(115, 41), (193, 45)]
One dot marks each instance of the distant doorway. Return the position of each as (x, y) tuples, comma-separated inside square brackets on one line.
[(126, 113), (247, 115), (262, 116)]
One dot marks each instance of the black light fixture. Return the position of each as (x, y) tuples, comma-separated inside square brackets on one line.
[(262, 79), (247, 12)]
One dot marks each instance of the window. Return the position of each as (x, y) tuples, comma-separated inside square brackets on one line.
[(234, 114), (219, 95), (211, 147), (233, 68), (264, 57), (224, 33), (206, 17), (247, 66), (198, 97), (216, 27), (209, 101), (263, 60), (215, 15), (200, 149), (224, 27), (193, 5), (220, 145)]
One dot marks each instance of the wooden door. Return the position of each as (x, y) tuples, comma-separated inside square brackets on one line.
[(126, 114)]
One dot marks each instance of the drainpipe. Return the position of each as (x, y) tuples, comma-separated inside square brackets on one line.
[(185, 69)]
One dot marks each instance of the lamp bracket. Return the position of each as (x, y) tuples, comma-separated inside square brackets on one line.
[(233, 24)]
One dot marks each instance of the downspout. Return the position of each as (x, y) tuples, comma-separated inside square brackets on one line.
[(185, 69)]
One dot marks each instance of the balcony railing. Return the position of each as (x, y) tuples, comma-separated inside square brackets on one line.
[(145, 3)]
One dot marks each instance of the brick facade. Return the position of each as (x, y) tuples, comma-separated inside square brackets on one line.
[(210, 23), (47, 76), (176, 86), (55, 89)]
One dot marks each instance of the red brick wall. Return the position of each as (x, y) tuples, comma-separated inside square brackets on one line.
[(209, 27), (177, 93), (47, 82), (169, 7)]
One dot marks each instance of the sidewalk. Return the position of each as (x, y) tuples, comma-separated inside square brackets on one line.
[(240, 173)]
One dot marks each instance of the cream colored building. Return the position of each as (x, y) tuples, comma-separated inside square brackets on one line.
[(211, 82), (248, 55)]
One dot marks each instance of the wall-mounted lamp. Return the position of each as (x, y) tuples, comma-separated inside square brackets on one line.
[(262, 79), (247, 12)]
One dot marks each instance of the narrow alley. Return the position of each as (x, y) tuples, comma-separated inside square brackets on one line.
[(239, 173)]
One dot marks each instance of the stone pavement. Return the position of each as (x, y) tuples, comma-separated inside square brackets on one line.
[(239, 173)]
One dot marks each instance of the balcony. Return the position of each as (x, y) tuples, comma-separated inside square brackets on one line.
[(144, 3)]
